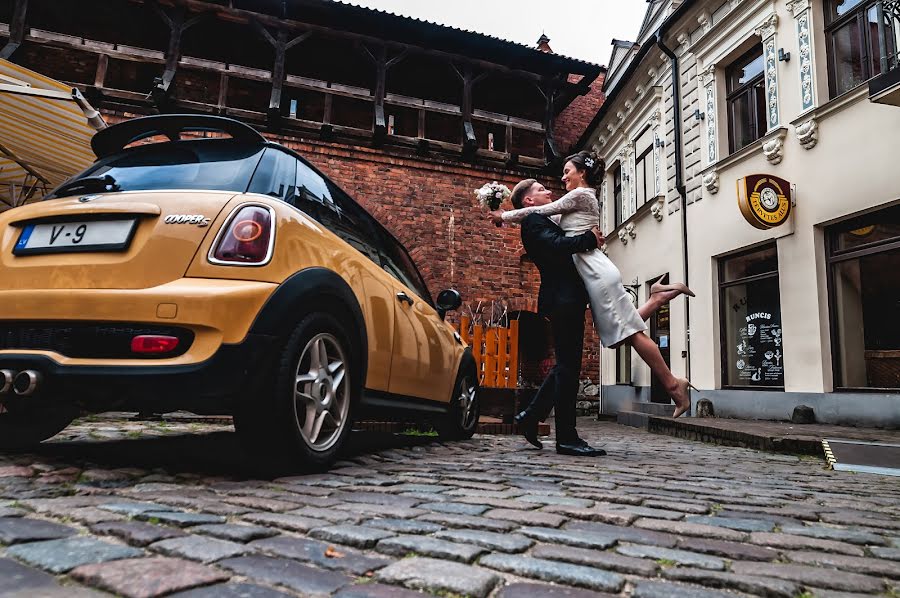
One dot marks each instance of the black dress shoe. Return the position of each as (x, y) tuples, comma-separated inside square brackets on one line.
[(582, 449), (529, 428)]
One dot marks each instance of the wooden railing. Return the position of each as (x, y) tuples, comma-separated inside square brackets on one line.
[(496, 352)]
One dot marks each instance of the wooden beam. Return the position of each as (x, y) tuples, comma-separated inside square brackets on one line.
[(16, 29), (223, 93), (102, 65), (551, 91), (177, 24), (281, 45)]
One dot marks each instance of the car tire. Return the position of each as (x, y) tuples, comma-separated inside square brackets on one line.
[(461, 420), (305, 413), (25, 430)]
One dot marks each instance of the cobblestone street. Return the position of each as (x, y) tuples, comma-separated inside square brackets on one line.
[(144, 509)]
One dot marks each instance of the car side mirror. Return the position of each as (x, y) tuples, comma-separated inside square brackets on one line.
[(448, 300)]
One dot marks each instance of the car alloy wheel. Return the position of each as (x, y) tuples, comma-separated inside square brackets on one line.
[(321, 392), (466, 403)]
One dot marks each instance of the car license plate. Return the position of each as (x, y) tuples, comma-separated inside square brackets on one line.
[(68, 237)]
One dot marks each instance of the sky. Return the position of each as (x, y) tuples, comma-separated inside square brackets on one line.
[(581, 29)]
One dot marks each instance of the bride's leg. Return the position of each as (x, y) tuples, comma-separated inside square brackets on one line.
[(649, 352), (653, 304)]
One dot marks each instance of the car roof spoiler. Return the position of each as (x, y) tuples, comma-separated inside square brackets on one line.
[(114, 139)]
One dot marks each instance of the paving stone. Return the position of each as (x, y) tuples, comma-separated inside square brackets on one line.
[(287, 573), (232, 590), (791, 542), (860, 519), (377, 590), (882, 553), (492, 540), (555, 571), (131, 508), (454, 507), (671, 505), (579, 538), (147, 577), (24, 580), (11, 512), (829, 533), (235, 532), (430, 547), (327, 515), (690, 529), (593, 514), (537, 518), (320, 554), (91, 515), (664, 589), (351, 535), (819, 577), (679, 557), (758, 586), (627, 534), (404, 526), (581, 503), (468, 522), (136, 533), (262, 504), (439, 576), (16, 471), (199, 548), (609, 561), (743, 525), (381, 510), (642, 511), (731, 550), (435, 488), (535, 590), (14, 530), (59, 556), (180, 519), (499, 503), (855, 564), (294, 523), (375, 498)]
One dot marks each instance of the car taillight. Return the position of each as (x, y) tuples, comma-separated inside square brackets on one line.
[(247, 237), (153, 343)]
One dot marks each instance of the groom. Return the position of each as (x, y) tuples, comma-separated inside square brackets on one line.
[(562, 298)]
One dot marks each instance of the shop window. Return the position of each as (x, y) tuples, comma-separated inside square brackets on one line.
[(862, 40), (623, 364), (864, 281), (746, 99), (750, 319), (618, 198)]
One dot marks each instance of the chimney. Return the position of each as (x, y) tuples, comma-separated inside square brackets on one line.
[(543, 44)]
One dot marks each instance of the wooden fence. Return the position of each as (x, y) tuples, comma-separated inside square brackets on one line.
[(496, 352)]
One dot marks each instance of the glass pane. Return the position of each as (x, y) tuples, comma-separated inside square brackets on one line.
[(847, 55), (276, 175), (866, 292), (764, 261), (754, 354), (881, 226), (761, 118), (842, 7), (742, 114), (746, 69), (641, 182)]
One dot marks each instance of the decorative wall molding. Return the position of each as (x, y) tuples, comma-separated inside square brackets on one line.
[(773, 148), (705, 20), (632, 188), (708, 79), (807, 70), (808, 133), (658, 209), (603, 205), (711, 182), (657, 161), (630, 230), (623, 236), (767, 28), (798, 6), (770, 55)]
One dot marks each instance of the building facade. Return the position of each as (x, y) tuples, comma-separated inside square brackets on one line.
[(751, 152), (409, 117)]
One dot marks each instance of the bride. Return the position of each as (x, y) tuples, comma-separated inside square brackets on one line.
[(616, 319)]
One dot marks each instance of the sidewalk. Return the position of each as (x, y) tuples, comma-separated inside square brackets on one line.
[(781, 437)]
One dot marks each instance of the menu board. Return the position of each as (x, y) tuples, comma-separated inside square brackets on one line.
[(759, 356)]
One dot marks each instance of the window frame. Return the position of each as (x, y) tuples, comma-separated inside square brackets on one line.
[(723, 341), (858, 14), (645, 159), (618, 196), (749, 89)]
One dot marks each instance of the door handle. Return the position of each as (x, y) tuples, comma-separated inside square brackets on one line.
[(401, 297)]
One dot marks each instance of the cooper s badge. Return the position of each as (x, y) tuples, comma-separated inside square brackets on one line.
[(198, 219)]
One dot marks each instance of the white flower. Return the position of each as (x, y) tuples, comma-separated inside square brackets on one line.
[(589, 162), (498, 195)]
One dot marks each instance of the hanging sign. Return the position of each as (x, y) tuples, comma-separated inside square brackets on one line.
[(764, 200)]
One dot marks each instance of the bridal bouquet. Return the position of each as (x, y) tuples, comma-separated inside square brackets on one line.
[(491, 195)]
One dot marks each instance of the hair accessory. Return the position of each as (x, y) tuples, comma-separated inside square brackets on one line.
[(589, 162)]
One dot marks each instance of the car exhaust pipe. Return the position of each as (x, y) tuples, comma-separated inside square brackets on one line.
[(26, 383), (6, 381)]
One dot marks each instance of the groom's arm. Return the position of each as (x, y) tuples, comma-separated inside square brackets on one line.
[(550, 238)]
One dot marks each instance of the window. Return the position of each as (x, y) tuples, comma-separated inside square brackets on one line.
[(644, 177), (750, 318), (746, 99), (276, 175), (862, 38), (397, 263), (617, 194), (864, 289), (623, 364)]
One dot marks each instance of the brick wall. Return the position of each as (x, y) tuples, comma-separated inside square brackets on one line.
[(571, 122)]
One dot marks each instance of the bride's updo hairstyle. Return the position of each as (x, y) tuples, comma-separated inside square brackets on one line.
[(588, 163)]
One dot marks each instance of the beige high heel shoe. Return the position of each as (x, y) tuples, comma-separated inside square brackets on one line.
[(682, 390), (658, 287)]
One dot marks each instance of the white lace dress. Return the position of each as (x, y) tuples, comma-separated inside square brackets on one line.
[(615, 316)]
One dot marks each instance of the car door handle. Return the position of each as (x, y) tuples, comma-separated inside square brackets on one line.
[(401, 296)]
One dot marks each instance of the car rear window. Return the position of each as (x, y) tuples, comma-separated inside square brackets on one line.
[(206, 164)]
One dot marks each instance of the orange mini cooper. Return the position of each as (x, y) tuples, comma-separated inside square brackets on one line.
[(219, 275)]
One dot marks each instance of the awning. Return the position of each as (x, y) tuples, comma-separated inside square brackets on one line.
[(45, 134)]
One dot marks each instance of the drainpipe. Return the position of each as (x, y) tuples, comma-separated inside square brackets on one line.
[(679, 186)]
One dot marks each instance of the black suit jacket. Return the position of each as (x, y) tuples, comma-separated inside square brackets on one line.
[(552, 252)]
